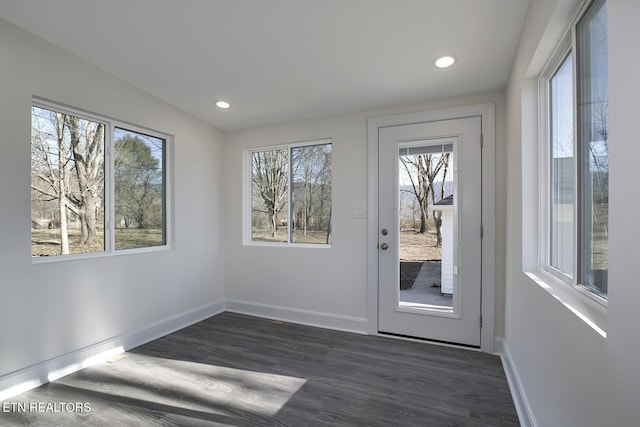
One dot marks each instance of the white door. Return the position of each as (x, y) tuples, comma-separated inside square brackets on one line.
[(426, 288)]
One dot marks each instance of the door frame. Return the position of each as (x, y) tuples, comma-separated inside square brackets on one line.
[(487, 114)]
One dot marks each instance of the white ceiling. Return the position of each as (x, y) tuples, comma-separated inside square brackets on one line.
[(282, 60)]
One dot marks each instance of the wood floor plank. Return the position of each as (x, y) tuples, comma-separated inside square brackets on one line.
[(237, 370)]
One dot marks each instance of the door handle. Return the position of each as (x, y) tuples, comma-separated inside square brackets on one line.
[(384, 246)]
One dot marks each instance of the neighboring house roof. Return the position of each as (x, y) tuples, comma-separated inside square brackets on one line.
[(447, 201)]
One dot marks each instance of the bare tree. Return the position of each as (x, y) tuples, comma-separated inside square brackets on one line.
[(325, 203), (62, 182), (62, 144), (87, 148), (311, 193), (437, 213), (419, 188), (138, 183), (426, 167), (50, 167), (270, 181)]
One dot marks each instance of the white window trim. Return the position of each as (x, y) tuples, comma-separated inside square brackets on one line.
[(247, 193), (109, 197)]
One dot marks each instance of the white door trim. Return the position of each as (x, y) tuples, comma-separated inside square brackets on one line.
[(487, 113)]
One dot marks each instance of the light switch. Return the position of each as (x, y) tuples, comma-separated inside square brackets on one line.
[(357, 211)]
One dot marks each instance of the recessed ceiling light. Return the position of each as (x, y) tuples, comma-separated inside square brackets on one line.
[(444, 61), (223, 104)]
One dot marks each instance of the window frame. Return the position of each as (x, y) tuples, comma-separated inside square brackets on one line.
[(109, 184), (567, 46), (247, 173)]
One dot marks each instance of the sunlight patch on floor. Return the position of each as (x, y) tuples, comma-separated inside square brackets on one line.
[(192, 385), (89, 361)]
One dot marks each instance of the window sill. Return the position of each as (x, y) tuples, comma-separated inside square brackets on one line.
[(287, 245), (589, 311), (94, 255)]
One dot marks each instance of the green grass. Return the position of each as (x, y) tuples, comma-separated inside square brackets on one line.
[(45, 242), (315, 237), (130, 238), (599, 251)]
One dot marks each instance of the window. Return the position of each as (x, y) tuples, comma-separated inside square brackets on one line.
[(290, 194), (574, 90), (139, 201), (96, 186)]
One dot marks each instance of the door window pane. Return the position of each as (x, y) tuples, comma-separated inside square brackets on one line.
[(427, 224)]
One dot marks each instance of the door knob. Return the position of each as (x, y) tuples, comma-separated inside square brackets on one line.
[(384, 246)]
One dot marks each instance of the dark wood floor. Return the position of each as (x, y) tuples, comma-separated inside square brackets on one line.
[(236, 370)]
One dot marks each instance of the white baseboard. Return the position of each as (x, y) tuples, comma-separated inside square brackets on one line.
[(302, 317), (523, 408), (33, 376)]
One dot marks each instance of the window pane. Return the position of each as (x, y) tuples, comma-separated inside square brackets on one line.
[(427, 224), (139, 190), (269, 190), (591, 33), (67, 184), (562, 170), (311, 194)]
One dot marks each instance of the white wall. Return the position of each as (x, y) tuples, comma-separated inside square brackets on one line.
[(571, 375), (328, 287), (49, 310)]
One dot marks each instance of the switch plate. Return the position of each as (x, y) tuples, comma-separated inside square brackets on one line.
[(357, 211)]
